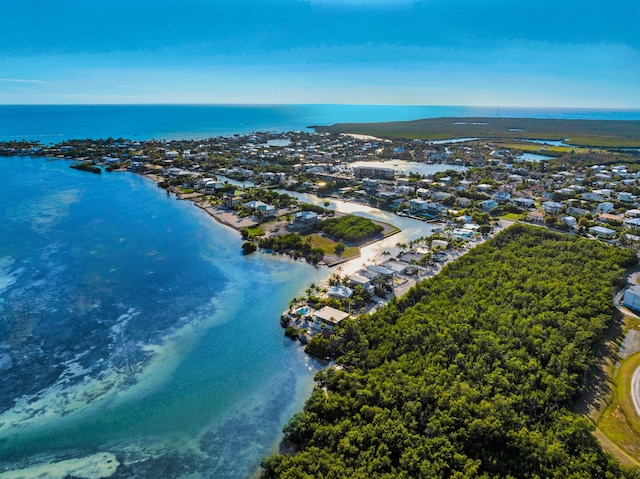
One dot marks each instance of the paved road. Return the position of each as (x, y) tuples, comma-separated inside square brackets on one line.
[(635, 379), (635, 389)]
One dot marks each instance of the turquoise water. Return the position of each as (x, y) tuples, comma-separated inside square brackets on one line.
[(56, 123), (131, 324)]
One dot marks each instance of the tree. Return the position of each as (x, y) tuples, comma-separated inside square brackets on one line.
[(248, 247), (340, 247)]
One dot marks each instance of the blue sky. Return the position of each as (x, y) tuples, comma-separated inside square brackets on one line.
[(427, 52)]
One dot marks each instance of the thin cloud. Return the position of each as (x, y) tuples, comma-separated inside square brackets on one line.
[(21, 80)]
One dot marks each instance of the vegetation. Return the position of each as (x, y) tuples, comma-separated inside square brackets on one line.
[(248, 247), (471, 374), (329, 246), (87, 167), (252, 233), (293, 244), (605, 133), (350, 228)]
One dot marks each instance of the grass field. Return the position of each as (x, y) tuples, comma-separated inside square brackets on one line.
[(511, 217), (254, 232), (328, 246), (597, 133)]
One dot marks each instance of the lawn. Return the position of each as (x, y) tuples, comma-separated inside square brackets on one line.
[(328, 246), (511, 217), (254, 232)]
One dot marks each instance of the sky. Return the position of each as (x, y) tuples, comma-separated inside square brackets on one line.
[(539, 53)]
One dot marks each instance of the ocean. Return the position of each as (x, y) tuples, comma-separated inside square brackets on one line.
[(56, 123)]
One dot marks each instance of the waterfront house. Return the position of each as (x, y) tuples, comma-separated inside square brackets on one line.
[(340, 292), (230, 200), (328, 317)]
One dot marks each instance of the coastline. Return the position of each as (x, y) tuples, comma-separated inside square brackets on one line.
[(222, 216)]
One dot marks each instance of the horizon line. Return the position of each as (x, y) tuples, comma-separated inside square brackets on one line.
[(254, 104)]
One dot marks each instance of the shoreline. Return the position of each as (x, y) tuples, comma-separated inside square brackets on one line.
[(212, 210)]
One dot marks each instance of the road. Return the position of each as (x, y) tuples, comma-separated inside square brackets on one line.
[(635, 389), (635, 379)]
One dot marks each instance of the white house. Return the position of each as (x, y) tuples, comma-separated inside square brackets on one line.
[(305, 218), (329, 317), (340, 292)]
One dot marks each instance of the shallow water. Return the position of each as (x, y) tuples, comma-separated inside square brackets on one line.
[(132, 326)]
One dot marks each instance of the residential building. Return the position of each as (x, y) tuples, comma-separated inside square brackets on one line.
[(328, 317)]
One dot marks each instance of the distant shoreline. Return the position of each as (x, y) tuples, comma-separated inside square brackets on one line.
[(575, 132)]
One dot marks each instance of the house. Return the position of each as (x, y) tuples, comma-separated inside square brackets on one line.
[(230, 200), (605, 207), (590, 196), (328, 317), (631, 298), (552, 206), (340, 292), (570, 221), (266, 210), (632, 223), (380, 271), (572, 210), (502, 196), (440, 195), (417, 205), (524, 203), (609, 218), (436, 243), (398, 267), (602, 232), (370, 184), (359, 280), (305, 218), (626, 197), (487, 205), (463, 201), (536, 216), (423, 192), (463, 233)]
